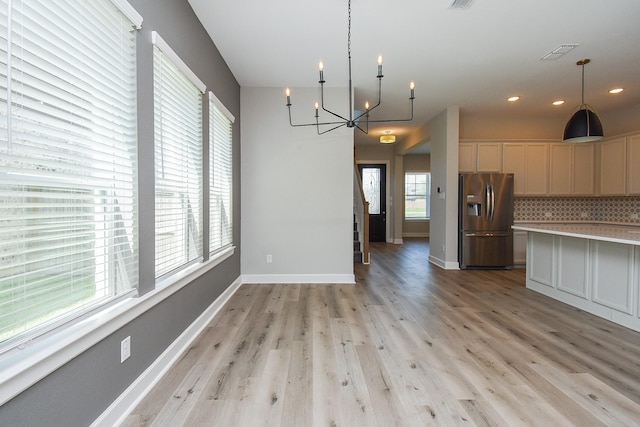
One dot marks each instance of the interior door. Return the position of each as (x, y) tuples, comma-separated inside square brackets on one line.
[(374, 179)]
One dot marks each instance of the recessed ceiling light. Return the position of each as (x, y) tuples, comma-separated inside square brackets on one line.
[(513, 98), (616, 90), (558, 102)]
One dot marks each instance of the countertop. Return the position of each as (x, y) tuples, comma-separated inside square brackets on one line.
[(627, 234)]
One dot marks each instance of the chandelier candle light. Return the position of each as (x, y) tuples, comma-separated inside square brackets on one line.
[(352, 120)]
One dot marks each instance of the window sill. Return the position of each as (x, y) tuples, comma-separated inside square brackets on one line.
[(26, 364)]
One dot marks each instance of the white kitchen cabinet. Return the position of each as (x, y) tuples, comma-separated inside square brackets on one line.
[(633, 165), (571, 169), (560, 169), (513, 155), (467, 153), (584, 169), (613, 167), (612, 272), (573, 263), (519, 248), (541, 259), (592, 267), (536, 169), (489, 157)]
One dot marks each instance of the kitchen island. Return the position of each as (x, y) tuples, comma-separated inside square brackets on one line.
[(594, 267)]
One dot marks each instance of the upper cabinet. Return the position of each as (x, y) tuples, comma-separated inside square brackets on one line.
[(528, 162), (536, 180), (571, 169), (584, 172), (610, 167), (467, 157), (633, 165), (613, 166), (513, 162), (489, 157), (480, 157), (560, 169)]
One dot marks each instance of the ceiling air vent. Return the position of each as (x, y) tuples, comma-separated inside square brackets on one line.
[(559, 51), (461, 4)]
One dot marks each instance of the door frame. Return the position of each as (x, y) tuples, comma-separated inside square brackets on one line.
[(390, 204)]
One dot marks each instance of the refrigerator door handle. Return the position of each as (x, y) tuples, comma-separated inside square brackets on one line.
[(488, 202), (488, 234), (493, 202)]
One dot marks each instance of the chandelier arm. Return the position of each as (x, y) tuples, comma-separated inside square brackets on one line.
[(328, 130), (379, 100), (311, 124), (325, 109), (366, 132), (396, 120)]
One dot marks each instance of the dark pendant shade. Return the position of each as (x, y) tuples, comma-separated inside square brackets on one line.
[(583, 126)]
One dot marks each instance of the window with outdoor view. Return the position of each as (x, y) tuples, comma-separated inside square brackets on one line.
[(416, 195), (68, 230), (220, 175), (178, 161)]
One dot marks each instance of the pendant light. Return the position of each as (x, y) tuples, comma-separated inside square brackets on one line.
[(584, 125)]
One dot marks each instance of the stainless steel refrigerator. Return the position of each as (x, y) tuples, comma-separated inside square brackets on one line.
[(485, 217)]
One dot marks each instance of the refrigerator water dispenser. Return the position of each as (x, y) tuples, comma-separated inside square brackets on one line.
[(474, 205)]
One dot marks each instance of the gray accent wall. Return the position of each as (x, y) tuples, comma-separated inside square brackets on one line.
[(78, 392)]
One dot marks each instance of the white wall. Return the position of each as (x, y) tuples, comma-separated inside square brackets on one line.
[(297, 202), (444, 175)]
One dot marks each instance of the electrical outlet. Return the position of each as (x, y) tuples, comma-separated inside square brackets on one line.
[(634, 216), (269, 258), (125, 349), (442, 248), (584, 215), (548, 214)]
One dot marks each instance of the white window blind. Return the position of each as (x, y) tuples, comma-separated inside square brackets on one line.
[(178, 161), (220, 175), (68, 231)]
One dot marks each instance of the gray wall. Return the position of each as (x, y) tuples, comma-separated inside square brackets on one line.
[(297, 207), (78, 392)]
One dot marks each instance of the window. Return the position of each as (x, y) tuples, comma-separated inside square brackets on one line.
[(417, 189), (220, 175), (68, 232), (178, 161)]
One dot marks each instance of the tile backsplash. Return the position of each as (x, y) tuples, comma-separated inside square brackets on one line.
[(623, 209)]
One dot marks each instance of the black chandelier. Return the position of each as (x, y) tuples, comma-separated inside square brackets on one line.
[(352, 121)]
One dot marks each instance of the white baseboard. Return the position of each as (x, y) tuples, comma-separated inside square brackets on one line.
[(447, 265), (415, 235), (299, 278), (116, 413), (398, 241)]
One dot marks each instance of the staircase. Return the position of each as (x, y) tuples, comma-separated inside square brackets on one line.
[(360, 221), (357, 250)]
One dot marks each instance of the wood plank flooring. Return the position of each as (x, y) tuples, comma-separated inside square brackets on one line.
[(408, 345)]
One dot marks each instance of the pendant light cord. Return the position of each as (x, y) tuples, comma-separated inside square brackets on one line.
[(583, 83)]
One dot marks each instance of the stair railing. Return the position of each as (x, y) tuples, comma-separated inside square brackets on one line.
[(361, 212)]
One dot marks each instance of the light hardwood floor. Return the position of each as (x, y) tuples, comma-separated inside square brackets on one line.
[(408, 345)]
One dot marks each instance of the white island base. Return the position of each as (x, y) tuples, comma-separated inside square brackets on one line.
[(595, 268)]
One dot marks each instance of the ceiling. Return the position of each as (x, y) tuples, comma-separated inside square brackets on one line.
[(473, 58)]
